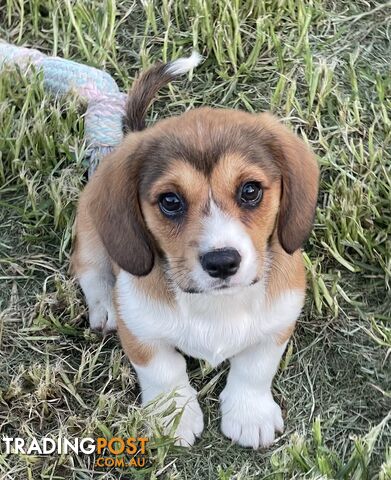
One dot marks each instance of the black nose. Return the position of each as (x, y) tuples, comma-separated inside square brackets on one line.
[(221, 263)]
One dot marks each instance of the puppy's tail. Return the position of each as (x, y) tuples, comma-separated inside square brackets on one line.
[(149, 83)]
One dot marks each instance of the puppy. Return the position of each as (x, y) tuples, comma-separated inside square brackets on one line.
[(188, 240)]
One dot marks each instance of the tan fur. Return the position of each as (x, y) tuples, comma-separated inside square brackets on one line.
[(115, 268), (88, 250), (287, 272), (179, 244), (137, 352), (285, 335), (183, 177), (155, 286)]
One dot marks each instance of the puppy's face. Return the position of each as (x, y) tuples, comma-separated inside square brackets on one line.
[(213, 226), (206, 192)]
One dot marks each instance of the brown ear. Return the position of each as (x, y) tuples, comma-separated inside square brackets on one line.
[(115, 210), (300, 177)]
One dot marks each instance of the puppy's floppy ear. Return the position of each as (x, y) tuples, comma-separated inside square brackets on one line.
[(116, 213), (300, 178)]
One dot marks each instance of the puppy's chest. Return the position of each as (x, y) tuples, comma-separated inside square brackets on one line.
[(211, 327), (214, 328)]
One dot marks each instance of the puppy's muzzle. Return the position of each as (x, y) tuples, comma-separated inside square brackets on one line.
[(222, 263)]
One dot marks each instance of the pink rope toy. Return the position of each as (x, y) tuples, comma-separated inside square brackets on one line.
[(105, 102)]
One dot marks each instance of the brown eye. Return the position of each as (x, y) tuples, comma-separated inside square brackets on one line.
[(250, 194), (171, 205)]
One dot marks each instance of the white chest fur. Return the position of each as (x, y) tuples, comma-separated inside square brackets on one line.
[(213, 327)]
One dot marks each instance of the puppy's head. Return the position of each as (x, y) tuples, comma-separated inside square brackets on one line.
[(204, 194)]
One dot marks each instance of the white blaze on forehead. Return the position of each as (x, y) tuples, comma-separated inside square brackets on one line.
[(220, 230)]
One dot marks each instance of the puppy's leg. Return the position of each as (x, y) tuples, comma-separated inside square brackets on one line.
[(161, 370), (250, 416), (91, 266), (97, 285)]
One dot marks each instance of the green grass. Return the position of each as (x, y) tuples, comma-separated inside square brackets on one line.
[(325, 68)]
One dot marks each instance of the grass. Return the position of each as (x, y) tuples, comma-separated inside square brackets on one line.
[(324, 67)]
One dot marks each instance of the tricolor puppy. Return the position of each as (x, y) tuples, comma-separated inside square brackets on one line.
[(188, 240)]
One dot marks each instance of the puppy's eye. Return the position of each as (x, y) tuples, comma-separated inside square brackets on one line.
[(171, 204), (250, 194)]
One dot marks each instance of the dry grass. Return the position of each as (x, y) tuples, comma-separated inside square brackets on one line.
[(323, 66)]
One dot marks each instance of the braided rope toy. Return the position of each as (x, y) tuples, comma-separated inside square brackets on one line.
[(105, 102)]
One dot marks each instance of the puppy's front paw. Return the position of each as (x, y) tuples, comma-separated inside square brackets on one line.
[(249, 418), (191, 422), (102, 318), (187, 408)]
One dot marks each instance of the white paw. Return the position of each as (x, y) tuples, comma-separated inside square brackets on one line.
[(250, 418), (191, 423), (102, 318), (189, 413)]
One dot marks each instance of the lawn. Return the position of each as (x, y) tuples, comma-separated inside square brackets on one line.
[(323, 66)]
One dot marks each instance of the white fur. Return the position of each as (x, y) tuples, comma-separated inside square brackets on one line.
[(166, 373), (184, 64), (209, 326), (220, 230), (250, 416), (236, 324), (97, 288)]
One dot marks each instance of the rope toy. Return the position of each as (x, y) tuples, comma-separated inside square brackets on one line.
[(105, 102)]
